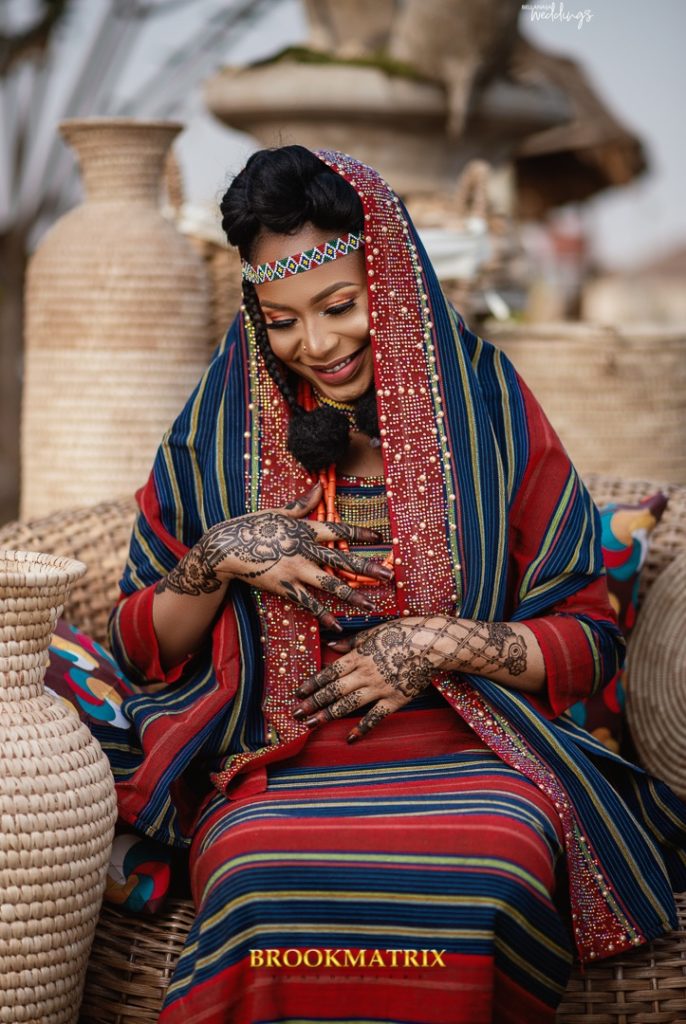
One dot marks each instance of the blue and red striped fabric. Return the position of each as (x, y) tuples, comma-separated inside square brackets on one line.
[(422, 841)]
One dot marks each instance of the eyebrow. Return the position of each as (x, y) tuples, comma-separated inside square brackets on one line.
[(315, 298)]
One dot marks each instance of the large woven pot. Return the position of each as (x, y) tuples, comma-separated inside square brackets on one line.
[(57, 806), (117, 324), (617, 397)]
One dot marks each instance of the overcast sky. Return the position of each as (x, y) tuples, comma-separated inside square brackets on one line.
[(631, 49)]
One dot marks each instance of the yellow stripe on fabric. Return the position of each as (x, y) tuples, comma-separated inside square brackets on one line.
[(238, 699), (549, 538), (483, 800), (600, 809), (527, 966), (195, 418), (597, 663), (507, 419), (147, 550), (474, 456), (219, 468), (365, 858)]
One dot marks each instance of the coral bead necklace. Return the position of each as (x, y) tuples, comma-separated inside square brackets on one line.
[(326, 510)]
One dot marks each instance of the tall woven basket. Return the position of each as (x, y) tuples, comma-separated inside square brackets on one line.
[(118, 320), (617, 398), (57, 806)]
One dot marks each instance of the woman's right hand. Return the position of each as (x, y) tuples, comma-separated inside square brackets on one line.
[(281, 551)]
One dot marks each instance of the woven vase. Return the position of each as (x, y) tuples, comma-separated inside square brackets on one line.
[(616, 397), (118, 321), (57, 805)]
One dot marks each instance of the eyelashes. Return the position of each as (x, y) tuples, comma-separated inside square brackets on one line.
[(339, 310)]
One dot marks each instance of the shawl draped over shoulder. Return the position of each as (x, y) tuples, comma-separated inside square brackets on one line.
[(508, 532)]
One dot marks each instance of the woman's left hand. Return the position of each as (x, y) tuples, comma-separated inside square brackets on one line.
[(389, 664)]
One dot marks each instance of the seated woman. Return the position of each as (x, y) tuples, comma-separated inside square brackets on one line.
[(370, 582)]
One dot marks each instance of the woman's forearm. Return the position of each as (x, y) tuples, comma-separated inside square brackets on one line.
[(185, 604), (507, 652)]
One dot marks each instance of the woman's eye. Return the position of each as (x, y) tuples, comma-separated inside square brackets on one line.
[(342, 308), (279, 324)]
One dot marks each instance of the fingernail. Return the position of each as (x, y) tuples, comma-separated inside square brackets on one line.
[(311, 722), (299, 714), (332, 643), (352, 737)]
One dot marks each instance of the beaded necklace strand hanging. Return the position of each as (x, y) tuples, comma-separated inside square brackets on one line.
[(326, 509)]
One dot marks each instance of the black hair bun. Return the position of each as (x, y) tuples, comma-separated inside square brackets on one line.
[(318, 438)]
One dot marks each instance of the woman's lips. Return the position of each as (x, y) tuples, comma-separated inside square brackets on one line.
[(347, 371)]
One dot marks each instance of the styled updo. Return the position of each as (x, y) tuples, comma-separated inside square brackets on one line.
[(280, 191)]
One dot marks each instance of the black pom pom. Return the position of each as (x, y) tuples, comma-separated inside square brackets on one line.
[(318, 438), (366, 413)]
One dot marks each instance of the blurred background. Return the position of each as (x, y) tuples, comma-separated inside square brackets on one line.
[(537, 148)]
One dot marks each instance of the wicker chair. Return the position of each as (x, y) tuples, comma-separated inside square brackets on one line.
[(133, 959)]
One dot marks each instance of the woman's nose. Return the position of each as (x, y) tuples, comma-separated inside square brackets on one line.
[(319, 341)]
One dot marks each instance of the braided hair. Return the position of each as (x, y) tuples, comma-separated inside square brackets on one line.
[(279, 191)]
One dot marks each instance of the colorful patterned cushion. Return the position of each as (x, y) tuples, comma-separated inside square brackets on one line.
[(85, 676), (626, 533)]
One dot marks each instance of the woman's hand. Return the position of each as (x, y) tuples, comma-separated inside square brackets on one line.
[(280, 551), (389, 665)]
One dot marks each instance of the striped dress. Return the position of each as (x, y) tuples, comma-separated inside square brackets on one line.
[(418, 840)]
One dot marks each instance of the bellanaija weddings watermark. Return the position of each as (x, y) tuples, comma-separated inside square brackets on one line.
[(557, 12)]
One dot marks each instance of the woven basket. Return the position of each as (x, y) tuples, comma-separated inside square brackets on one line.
[(57, 805), (617, 399), (99, 536), (117, 325), (656, 691)]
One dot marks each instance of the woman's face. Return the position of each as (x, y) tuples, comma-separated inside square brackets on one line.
[(319, 318)]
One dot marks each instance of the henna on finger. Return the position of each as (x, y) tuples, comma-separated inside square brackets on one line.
[(301, 596), (349, 702), (322, 678), (371, 719), (343, 591), (334, 558)]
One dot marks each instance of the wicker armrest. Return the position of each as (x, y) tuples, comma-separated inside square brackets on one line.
[(98, 536)]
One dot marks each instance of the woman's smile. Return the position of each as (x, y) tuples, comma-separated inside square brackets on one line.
[(344, 370)]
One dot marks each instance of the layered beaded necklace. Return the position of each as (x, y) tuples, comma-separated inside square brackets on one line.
[(326, 510)]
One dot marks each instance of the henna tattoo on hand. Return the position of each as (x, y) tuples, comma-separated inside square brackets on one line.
[(401, 667), (259, 541), (491, 645), (193, 575)]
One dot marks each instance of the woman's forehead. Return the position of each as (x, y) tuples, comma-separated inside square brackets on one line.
[(308, 285)]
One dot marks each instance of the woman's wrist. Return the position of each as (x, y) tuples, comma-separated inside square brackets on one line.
[(194, 574), (504, 651)]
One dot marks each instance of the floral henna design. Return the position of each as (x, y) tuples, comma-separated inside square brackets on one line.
[(260, 540), (402, 668), (193, 575)]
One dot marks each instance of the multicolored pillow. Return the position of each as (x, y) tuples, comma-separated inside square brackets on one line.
[(626, 533), (87, 678)]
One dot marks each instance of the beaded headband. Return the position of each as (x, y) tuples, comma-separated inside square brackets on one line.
[(301, 261)]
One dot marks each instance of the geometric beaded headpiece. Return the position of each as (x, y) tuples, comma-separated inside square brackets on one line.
[(301, 261)]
